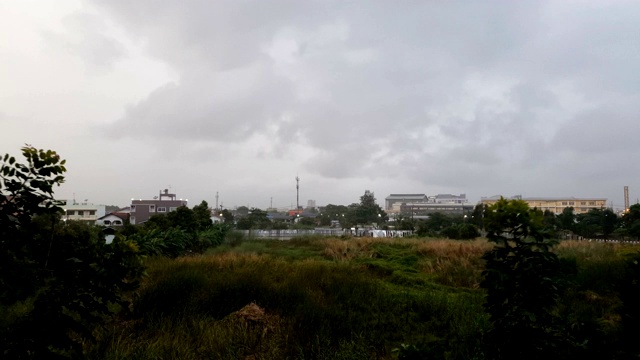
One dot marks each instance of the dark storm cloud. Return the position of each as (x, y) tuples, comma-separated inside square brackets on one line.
[(447, 93)]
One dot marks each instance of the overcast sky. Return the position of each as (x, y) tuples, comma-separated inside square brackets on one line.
[(240, 97)]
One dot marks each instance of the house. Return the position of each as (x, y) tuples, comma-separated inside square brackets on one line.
[(142, 210), (216, 219), (555, 204), (114, 219)]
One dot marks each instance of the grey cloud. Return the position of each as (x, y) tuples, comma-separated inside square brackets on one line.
[(455, 93), (86, 37)]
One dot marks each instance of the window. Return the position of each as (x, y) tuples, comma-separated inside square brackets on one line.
[(162, 209), (564, 203), (117, 222), (71, 212), (571, 203), (592, 202), (172, 209), (107, 222), (152, 208), (133, 208), (92, 212), (583, 203)]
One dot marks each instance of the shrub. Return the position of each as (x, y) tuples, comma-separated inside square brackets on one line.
[(522, 279), (58, 281)]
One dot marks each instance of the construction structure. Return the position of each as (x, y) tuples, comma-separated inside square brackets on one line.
[(626, 198)]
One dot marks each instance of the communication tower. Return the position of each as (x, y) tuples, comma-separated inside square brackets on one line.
[(626, 198), (297, 194)]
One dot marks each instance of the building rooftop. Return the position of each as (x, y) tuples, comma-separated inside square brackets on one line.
[(405, 196), (542, 198)]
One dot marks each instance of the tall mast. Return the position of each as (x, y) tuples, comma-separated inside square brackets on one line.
[(297, 193)]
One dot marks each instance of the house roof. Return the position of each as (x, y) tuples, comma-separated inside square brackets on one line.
[(122, 216), (542, 198), (406, 197), (278, 216)]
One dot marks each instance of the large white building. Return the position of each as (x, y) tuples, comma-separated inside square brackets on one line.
[(82, 211), (421, 204)]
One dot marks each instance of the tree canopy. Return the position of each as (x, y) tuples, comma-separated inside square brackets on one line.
[(57, 281)]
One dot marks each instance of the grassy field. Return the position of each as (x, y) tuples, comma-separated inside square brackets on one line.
[(357, 298)]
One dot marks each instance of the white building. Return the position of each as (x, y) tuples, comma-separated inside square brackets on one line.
[(82, 211)]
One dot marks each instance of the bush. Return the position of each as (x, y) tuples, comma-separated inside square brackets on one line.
[(461, 232), (523, 282), (58, 281)]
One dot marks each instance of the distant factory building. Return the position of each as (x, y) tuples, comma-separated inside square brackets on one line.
[(555, 204)]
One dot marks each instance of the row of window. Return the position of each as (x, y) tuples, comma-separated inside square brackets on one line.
[(583, 203), (81, 212), (152, 208)]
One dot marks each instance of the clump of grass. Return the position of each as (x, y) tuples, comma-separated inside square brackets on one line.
[(234, 238), (454, 263), (346, 250), (325, 309)]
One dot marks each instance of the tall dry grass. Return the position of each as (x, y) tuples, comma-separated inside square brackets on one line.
[(448, 262), (453, 262)]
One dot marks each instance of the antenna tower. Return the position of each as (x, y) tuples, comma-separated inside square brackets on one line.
[(297, 193), (626, 198)]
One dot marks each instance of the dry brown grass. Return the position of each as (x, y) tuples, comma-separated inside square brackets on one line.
[(454, 263), (345, 250)]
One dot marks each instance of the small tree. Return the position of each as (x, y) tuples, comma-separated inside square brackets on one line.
[(57, 282), (522, 279)]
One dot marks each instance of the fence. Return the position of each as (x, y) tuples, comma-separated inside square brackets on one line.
[(290, 233)]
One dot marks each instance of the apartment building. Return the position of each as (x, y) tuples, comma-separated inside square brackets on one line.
[(84, 211), (142, 210)]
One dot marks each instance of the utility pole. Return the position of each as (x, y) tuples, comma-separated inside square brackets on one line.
[(297, 194), (216, 200)]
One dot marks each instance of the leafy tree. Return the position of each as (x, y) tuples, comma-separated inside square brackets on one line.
[(550, 223), (404, 223), (597, 222), (368, 211), (522, 279), (57, 282), (631, 221), (183, 218), (567, 219), (438, 221), (227, 216), (255, 219), (308, 222), (242, 211), (202, 216), (477, 216), (461, 232)]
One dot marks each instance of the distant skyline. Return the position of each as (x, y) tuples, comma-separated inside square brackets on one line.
[(532, 98)]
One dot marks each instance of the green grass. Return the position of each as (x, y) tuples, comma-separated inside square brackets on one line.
[(343, 299)]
